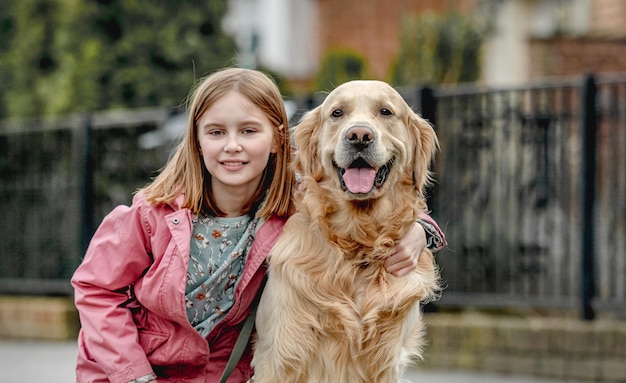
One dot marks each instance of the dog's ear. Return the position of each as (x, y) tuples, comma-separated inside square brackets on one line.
[(306, 137), (426, 145)]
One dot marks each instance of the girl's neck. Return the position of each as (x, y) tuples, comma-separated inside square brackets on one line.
[(232, 202)]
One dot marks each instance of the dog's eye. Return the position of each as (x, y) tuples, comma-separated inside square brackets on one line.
[(386, 112), (337, 113)]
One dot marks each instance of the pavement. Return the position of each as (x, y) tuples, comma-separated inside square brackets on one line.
[(53, 362)]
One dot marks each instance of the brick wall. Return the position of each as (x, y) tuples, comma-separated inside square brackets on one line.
[(575, 56), (558, 348), (45, 318)]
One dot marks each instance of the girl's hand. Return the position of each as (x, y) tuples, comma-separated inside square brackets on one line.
[(405, 255)]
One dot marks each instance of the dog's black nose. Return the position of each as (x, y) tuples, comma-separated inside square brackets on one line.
[(360, 136)]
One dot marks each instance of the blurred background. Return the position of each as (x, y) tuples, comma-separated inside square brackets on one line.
[(528, 98)]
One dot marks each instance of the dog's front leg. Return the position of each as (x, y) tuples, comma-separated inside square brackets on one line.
[(286, 333)]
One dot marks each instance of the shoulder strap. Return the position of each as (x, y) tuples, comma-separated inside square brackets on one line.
[(244, 335)]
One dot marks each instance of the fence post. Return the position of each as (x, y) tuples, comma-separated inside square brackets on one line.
[(589, 130), (428, 110), (86, 185), (428, 104)]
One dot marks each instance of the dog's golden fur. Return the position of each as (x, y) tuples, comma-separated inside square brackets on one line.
[(330, 312)]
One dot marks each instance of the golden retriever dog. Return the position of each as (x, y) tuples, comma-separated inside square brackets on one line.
[(330, 312)]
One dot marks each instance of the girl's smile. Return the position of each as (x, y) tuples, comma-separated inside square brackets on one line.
[(233, 166)]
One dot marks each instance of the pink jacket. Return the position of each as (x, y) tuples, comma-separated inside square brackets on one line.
[(130, 293)]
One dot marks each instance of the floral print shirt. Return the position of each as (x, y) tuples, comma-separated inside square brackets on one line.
[(216, 259)]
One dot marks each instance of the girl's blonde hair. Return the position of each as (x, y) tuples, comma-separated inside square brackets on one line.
[(185, 172)]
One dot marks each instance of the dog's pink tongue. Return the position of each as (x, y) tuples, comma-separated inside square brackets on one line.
[(359, 180)]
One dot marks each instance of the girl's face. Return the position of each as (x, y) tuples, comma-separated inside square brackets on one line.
[(236, 139)]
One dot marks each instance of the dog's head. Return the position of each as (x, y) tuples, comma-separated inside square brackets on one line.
[(367, 133)]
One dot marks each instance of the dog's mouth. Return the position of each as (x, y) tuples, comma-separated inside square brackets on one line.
[(361, 178)]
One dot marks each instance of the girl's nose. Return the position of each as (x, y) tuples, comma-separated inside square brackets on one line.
[(232, 145)]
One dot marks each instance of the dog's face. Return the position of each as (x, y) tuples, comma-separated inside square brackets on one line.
[(366, 132)]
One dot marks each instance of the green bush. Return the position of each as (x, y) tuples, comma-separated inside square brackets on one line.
[(339, 66), (63, 56), (438, 49)]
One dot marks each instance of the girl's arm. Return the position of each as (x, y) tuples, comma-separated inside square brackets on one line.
[(117, 256), (425, 233), (435, 239)]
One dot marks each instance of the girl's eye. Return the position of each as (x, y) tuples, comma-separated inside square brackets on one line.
[(386, 112), (216, 133), (248, 131), (337, 113)]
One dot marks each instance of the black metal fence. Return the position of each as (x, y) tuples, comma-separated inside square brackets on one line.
[(59, 178), (531, 191)]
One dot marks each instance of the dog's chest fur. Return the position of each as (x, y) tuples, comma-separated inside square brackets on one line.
[(359, 312)]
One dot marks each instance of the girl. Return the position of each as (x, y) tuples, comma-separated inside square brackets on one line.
[(167, 282)]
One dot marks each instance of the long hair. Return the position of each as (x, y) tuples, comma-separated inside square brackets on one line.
[(185, 172)]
